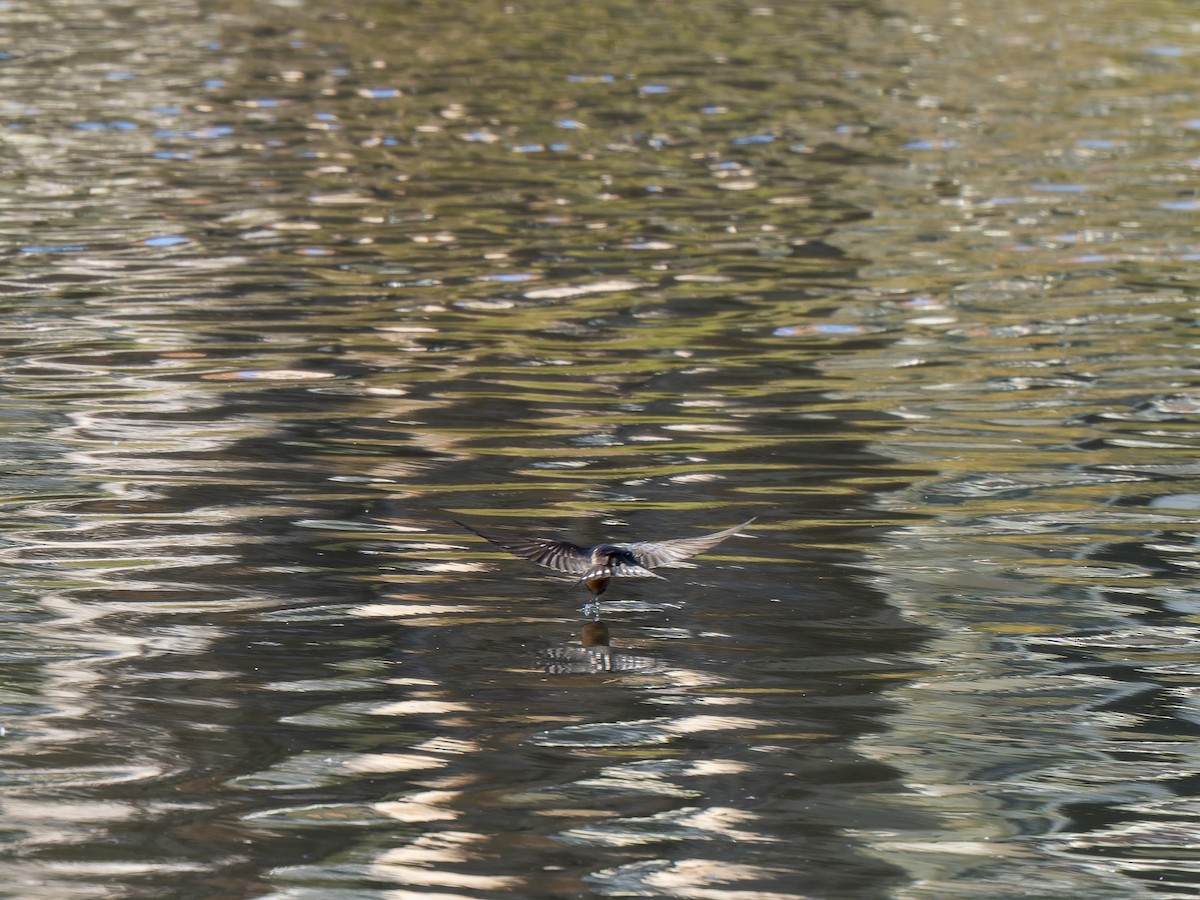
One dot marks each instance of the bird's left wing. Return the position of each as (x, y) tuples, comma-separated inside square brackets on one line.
[(553, 554)]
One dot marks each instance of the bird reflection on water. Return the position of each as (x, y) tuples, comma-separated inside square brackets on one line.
[(594, 653)]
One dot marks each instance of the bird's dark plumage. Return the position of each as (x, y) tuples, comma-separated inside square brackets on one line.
[(594, 566)]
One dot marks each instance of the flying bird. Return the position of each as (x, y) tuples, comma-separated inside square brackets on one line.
[(595, 566)]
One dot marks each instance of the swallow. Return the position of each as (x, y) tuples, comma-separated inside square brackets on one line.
[(595, 566)]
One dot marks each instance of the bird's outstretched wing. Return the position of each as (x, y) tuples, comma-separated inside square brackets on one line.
[(558, 555), (666, 553)]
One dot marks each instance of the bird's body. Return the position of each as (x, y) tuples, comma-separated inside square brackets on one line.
[(595, 566)]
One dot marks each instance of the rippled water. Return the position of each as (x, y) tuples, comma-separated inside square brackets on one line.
[(291, 289)]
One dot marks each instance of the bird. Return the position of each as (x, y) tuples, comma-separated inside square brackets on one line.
[(595, 566)]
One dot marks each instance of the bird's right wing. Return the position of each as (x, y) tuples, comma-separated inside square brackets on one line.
[(553, 554), (665, 553)]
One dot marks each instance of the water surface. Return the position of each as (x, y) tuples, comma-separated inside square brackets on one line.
[(290, 290)]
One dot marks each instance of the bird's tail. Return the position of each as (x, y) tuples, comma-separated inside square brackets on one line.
[(622, 571)]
